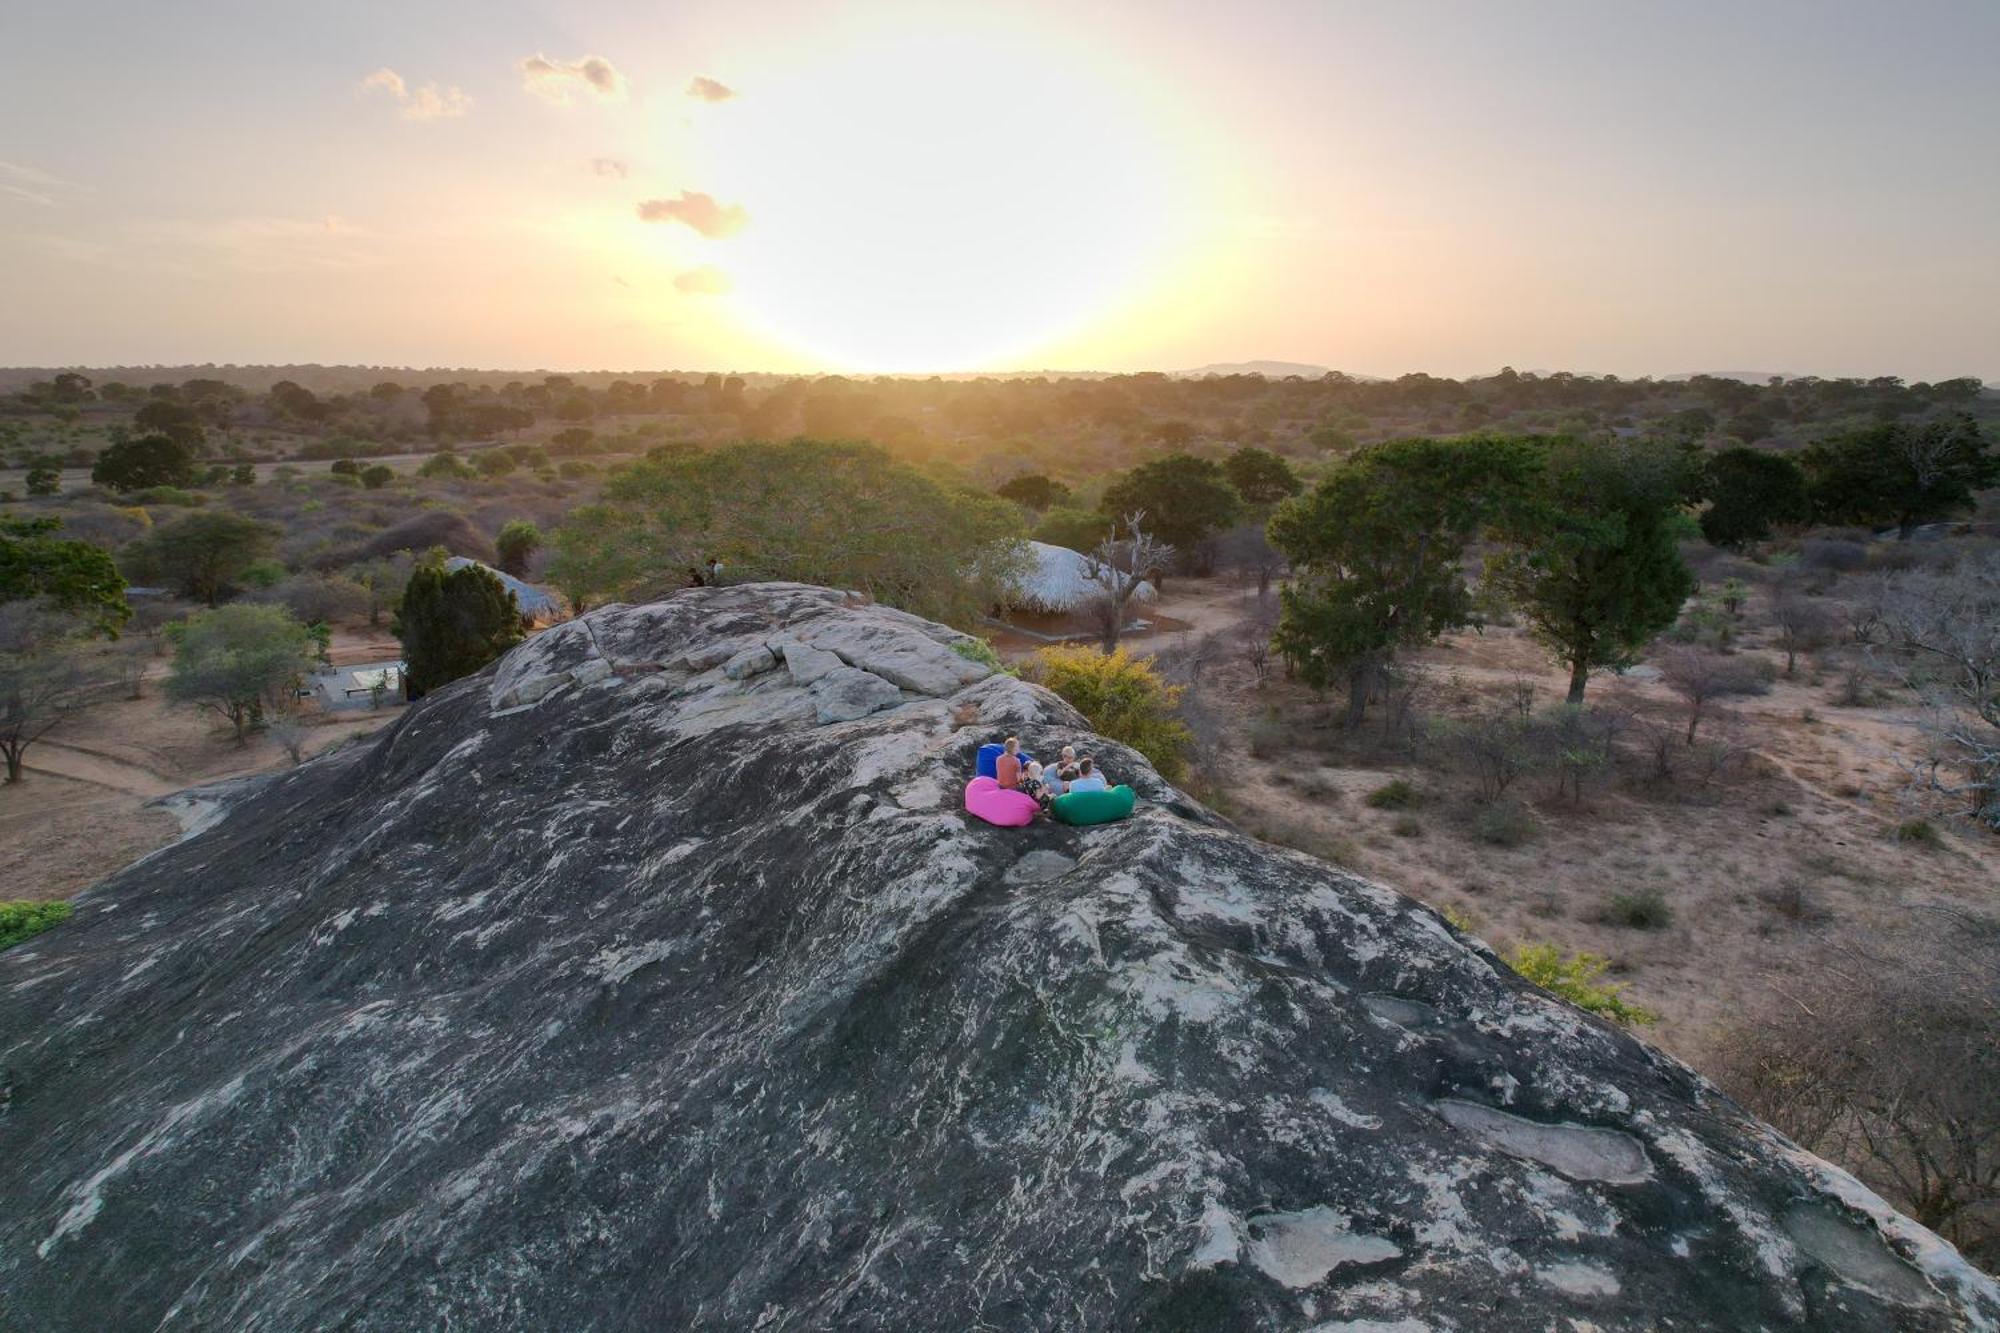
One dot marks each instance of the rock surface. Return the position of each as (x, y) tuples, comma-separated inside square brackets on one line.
[(653, 1001)]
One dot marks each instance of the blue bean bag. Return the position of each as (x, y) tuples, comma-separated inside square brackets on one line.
[(988, 765), (988, 800)]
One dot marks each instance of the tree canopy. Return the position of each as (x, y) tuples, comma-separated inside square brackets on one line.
[(1035, 491), (1903, 473), (71, 576), (1749, 492), (239, 660), (1185, 499), (202, 555), (837, 514), (518, 540), (452, 622), (150, 460), (1260, 476)]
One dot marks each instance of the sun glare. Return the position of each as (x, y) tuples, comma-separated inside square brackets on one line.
[(939, 200)]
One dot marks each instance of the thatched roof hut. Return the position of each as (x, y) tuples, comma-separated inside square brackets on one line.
[(537, 604)]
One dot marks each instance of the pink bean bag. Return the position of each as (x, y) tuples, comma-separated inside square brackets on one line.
[(993, 803)]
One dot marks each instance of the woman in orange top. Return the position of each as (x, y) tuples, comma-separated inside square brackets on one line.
[(1007, 768)]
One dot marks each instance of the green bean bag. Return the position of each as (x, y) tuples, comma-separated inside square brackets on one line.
[(1093, 807)]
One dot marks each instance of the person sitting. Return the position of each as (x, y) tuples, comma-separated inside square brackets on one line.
[(1036, 784), (1087, 777), (1007, 768)]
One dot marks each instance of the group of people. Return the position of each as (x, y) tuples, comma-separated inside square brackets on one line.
[(1046, 782)]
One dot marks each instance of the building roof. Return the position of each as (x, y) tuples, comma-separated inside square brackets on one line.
[(1058, 579), (535, 603)]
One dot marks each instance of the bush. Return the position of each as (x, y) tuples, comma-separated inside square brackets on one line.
[(1394, 795), (1503, 823), (19, 920), (1641, 909), (1406, 826), (168, 495), (452, 623), (447, 466), (1122, 698), (1919, 831), (1575, 979), (376, 476), (978, 650)]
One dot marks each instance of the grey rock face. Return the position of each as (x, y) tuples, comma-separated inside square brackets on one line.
[(807, 665), (845, 693), (666, 1004), (753, 661)]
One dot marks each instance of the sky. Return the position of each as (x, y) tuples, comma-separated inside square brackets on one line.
[(1605, 187)]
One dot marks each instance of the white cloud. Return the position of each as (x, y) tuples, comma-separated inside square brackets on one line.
[(609, 166), (558, 81), (699, 211), (429, 102), (708, 90), (32, 185)]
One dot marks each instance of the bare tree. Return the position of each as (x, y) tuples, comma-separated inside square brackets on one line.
[(291, 734), (1248, 550), (1803, 625), (1940, 632), (42, 676), (1119, 566), (1700, 678), (1253, 637)]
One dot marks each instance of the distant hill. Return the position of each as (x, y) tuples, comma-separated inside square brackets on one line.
[(1276, 370), (1747, 376)]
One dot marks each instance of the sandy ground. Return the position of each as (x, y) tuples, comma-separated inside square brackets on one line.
[(82, 809), (1767, 872)]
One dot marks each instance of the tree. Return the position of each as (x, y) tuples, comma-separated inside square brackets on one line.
[(448, 465), (237, 661), (243, 474), (1376, 551), (1261, 477), (452, 623), (1185, 498), (1803, 625), (150, 460), (839, 515), (1901, 473), (42, 479), (1122, 698), (1034, 491), (571, 441), (494, 463), (1749, 492), (1700, 678), (42, 678), (1119, 566), (1076, 529), (173, 421), (518, 540), (1591, 562), (73, 577), (202, 554), (1941, 631)]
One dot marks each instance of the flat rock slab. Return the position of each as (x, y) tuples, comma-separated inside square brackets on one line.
[(846, 693)]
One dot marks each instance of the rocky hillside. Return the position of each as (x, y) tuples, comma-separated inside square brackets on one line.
[(655, 979)]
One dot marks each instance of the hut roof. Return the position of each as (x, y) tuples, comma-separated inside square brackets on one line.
[(1058, 579)]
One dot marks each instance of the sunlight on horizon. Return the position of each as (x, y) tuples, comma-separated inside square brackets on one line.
[(953, 197)]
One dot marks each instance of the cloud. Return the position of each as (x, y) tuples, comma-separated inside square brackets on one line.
[(708, 90), (429, 102), (32, 185), (699, 211), (707, 280), (558, 81), (608, 166)]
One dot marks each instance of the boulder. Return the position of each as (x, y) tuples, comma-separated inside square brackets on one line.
[(666, 1006), (844, 693), (914, 661), (752, 661), (807, 664)]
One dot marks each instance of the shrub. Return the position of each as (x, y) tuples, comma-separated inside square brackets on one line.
[(1503, 823), (1919, 831), (978, 650), (1575, 978), (376, 476), (1267, 735), (1406, 826), (447, 466), (1121, 697), (1396, 794), (19, 920), (1641, 909), (168, 495)]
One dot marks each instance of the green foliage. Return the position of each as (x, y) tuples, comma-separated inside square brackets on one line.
[(839, 515), (74, 577), (203, 555), (1261, 477), (1641, 909), (444, 465), (1750, 492), (1901, 473), (1078, 529), (494, 462), (1185, 499), (1121, 697), (518, 540), (377, 475), (1575, 978), (1503, 823), (243, 474), (239, 660), (172, 496), (1396, 794), (19, 920), (1375, 551), (1920, 832), (978, 650), (452, 623), (151, 460), (43, 480), (1592, 564), (1035, 491), (175, 422)]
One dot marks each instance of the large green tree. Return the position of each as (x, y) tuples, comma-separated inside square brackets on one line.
[(1903, 473), (173, 421), (838, 514), (1185, 500), (43, 678), (150, 460), (1591, 561), (71, 576), (202, 554), (240, 660), (1260, 476), (452, 622), (519, 539), (1376, 551), (1750, 491)]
